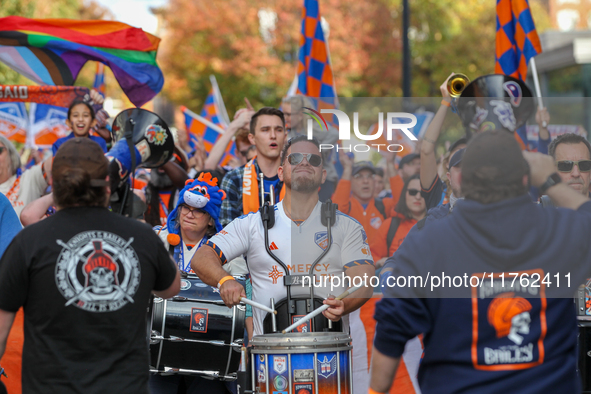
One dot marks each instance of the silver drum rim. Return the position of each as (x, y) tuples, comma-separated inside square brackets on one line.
[(300, 343)]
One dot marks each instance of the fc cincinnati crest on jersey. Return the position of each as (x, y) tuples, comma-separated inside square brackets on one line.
[(97, 271), (321, 239)]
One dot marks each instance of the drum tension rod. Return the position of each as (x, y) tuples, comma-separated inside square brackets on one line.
[(180, 339)]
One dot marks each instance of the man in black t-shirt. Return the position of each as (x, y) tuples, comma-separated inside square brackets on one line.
[(84, 277)]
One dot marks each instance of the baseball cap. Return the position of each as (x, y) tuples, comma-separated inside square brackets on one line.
[(461, 141), (363, 165), (407, 159), (81, 153), (456, 159), (493, 156)]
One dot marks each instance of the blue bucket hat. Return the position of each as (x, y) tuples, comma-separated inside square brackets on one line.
[(202, 193)]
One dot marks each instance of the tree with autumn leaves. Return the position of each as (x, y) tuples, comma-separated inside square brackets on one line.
[(251, 46)]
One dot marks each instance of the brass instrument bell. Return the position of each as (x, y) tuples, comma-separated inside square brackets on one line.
[(456, 84)]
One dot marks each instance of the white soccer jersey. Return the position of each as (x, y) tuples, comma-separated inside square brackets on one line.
[(297, 247)]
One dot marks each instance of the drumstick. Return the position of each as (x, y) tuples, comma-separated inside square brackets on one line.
[(257, 305), (319, 310)]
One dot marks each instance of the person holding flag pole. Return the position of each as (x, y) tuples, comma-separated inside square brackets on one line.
[(513, 53)]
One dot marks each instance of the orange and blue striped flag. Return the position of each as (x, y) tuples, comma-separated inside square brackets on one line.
[(214, 111), (517, 40), (315, 77)]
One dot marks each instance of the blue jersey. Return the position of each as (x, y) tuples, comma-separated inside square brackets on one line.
[(59, 142)]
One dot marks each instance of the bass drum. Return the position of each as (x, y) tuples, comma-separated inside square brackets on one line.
[(195, 332)]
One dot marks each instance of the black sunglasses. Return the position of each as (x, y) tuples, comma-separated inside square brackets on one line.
[(2, 149), (296, 158), (567, 165), (413, 192)]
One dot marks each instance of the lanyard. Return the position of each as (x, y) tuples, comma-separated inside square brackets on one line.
[(180, 255)]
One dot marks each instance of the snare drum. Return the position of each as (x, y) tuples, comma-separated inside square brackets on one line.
[(192, 333), (302, 363)]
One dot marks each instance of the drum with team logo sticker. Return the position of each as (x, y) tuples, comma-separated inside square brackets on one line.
[(195, 333), (302, 363)]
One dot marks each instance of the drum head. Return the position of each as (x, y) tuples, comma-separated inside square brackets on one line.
[(150, 134), (317, 324)]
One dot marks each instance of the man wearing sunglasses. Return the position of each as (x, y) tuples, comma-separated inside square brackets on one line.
[(572, 154), (295, 124), (297, 238)]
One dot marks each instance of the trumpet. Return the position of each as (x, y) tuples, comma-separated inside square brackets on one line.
[(456, 84)]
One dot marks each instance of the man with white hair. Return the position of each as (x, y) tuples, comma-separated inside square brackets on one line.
[(21, 187)]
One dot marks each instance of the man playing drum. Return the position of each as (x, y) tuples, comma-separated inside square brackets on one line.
[(297, 230)]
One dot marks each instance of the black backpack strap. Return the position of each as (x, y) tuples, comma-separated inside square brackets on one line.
[(394, 224), (380, 206)]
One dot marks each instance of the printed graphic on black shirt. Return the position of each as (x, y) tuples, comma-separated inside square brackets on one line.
[(97, 271)]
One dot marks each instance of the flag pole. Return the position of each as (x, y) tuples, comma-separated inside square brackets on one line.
[(218, 94), (534, 71), (205, 121)]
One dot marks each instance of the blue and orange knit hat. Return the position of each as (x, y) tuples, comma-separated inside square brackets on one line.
[(202, 193)]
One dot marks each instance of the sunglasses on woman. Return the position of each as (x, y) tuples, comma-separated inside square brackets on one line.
[(567, 165), (296, 158), (413, 192)]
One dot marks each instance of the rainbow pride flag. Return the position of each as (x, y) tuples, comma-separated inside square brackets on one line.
[(52, 52)]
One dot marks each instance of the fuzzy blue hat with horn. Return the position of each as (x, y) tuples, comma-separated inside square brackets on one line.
[(202, 193)]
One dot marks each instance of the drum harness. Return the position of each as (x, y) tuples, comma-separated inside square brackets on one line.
[(327, 218)]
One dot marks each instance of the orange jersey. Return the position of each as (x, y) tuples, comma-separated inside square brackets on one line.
[(370, 218), (13, 355), (405, 380), (379, 244)]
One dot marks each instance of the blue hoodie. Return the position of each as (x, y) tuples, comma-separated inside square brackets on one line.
[(491, 339)]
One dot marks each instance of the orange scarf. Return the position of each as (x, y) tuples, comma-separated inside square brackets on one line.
[(250, 189)]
